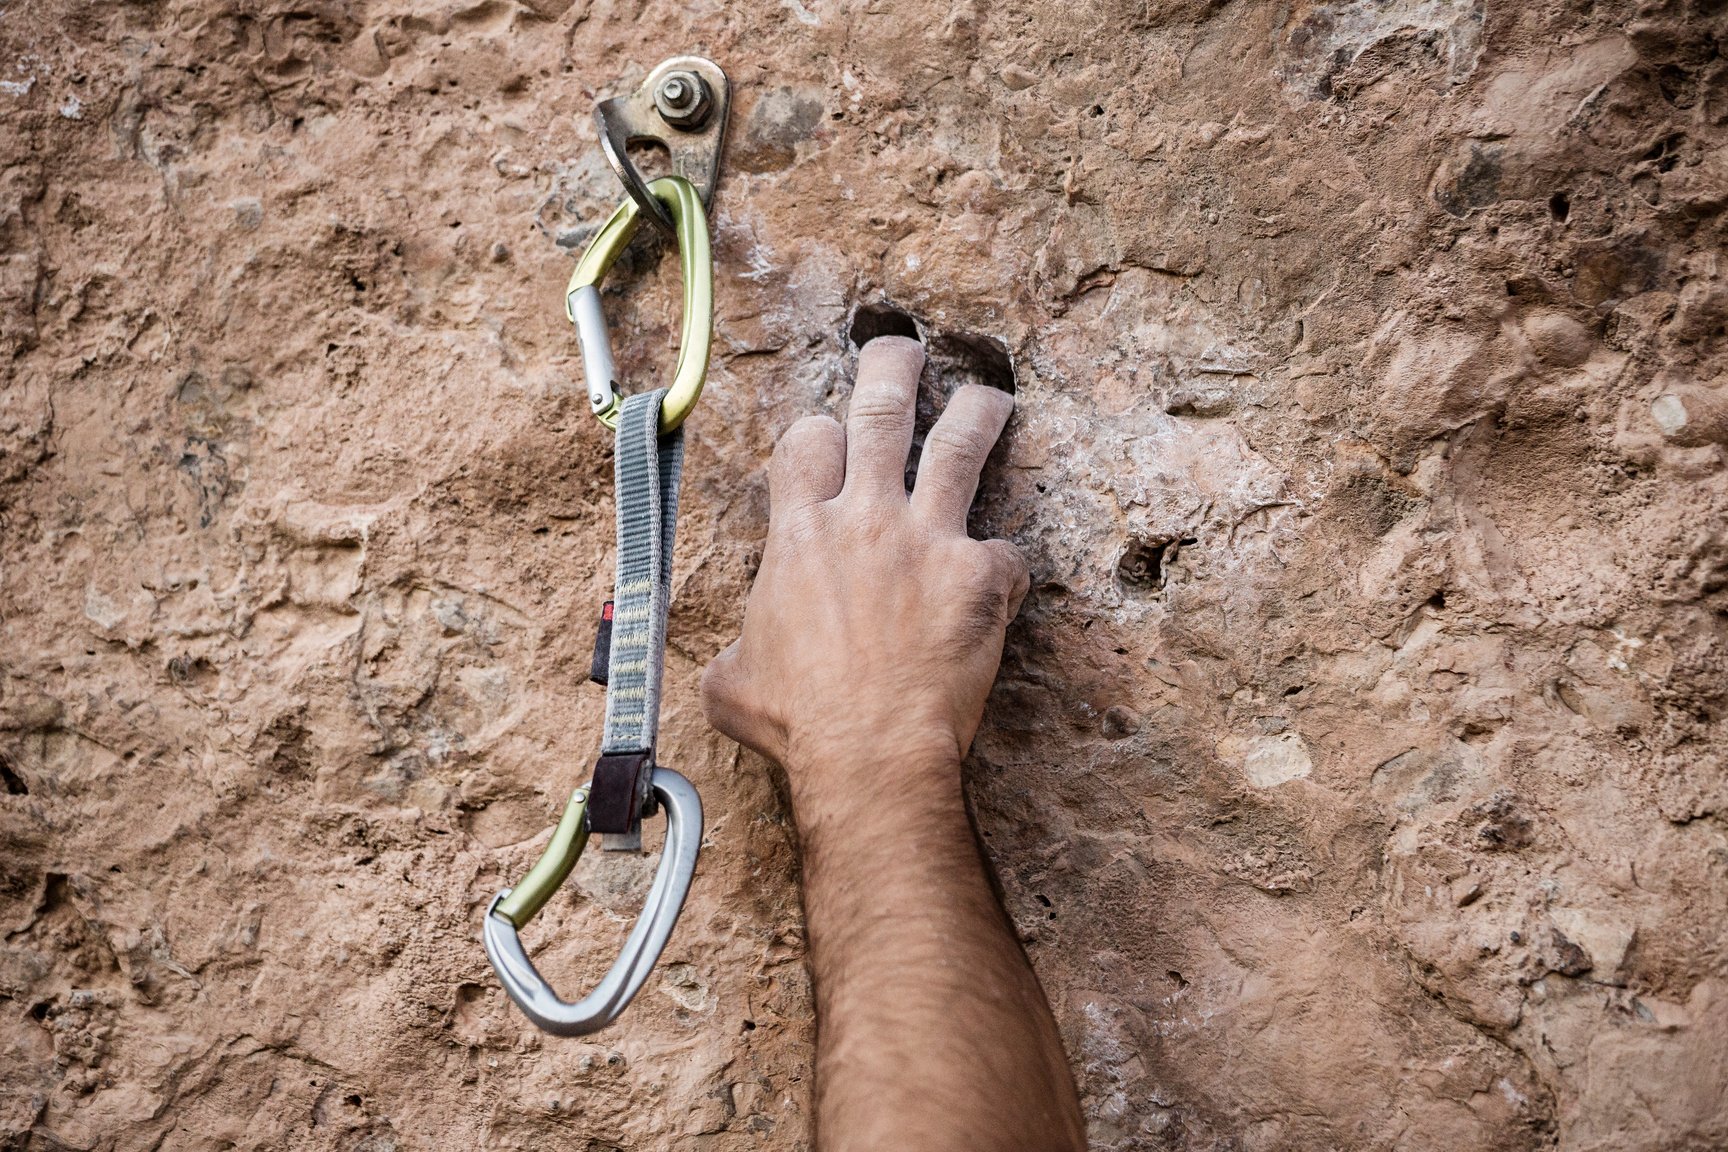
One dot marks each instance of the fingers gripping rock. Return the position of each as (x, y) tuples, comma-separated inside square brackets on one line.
[(955, 451), (879, 417)]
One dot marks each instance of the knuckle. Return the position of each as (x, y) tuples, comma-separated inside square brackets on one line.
[(814, 428), (716, 686), (1007, 565), (796, 528), (977, 571), (961, 440), (804, 433), (869, 522), (726, 702), (875, 410)]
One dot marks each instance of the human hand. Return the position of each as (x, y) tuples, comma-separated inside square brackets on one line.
[(875, 621)]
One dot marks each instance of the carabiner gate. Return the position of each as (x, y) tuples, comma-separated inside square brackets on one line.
[(582, 302), (512, 908)]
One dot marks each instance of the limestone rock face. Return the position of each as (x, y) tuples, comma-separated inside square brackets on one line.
[(1356, 775)]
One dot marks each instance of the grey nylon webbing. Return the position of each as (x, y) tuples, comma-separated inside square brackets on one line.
[(648, 469)]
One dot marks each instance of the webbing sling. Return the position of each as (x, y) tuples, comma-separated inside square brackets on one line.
[(648, 468)]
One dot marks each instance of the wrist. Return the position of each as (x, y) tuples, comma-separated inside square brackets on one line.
[(866, 786), (883, 838)]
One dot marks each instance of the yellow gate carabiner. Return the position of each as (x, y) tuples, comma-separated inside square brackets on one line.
[(582, 303)]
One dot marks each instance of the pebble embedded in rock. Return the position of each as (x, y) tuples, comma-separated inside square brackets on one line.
[(1120, 721), (1691, 416), (1559, 339)]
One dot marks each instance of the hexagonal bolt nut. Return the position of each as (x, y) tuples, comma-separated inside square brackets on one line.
[(684, 100)]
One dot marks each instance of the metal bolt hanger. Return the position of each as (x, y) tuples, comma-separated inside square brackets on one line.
[(683, 105)]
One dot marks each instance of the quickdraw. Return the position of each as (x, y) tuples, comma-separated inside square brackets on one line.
[(690, 95)]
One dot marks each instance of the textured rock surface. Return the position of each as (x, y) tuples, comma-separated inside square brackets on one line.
[(1356, 772)]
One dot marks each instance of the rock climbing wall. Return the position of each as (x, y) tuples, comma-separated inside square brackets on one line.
[(1356, 773)]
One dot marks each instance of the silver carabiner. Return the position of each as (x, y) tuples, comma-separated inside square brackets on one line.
[(504, 920)]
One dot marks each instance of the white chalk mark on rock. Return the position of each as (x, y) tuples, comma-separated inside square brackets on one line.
[(1268, 761)]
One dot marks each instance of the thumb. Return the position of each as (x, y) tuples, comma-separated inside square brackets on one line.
[(727, 702)]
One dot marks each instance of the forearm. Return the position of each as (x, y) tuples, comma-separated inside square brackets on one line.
[(933, 1031)]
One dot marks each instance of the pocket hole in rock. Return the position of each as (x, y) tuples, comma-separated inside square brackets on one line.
[(14, 783), (972, 358), (1142, 565), (953, 359), (882, 319)]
